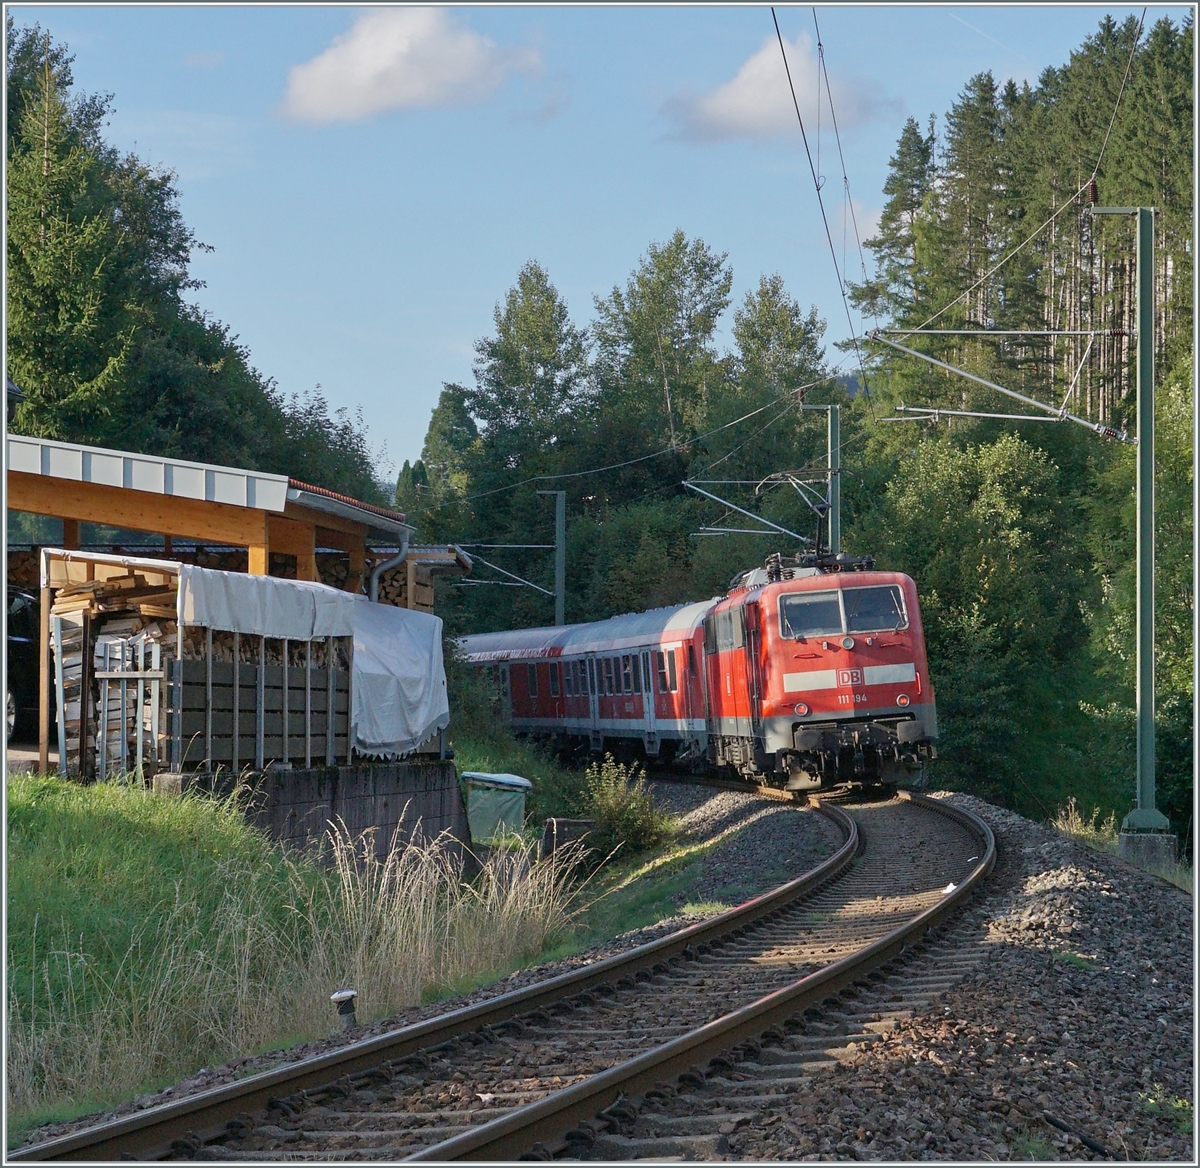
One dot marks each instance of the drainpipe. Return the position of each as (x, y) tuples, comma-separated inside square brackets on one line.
[(386, 566)]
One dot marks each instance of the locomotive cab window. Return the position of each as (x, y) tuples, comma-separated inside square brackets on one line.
[(810, 614), (874, 610)]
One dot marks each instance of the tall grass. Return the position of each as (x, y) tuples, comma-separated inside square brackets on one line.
[(149, 936)]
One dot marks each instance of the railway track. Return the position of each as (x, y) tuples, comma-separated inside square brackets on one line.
[(573, 1063)]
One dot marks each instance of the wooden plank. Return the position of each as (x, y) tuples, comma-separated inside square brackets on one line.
[(195, 698), (222, 724), (136, 510)]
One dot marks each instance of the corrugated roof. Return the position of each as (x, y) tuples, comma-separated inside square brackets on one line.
[(179, 478), (618, 632), (146, 472)]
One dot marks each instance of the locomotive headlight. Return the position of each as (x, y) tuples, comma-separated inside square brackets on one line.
[(801, 709), (847, 642), (902, 699)]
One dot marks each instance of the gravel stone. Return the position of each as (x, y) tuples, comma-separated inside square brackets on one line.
[(1083, 1009)]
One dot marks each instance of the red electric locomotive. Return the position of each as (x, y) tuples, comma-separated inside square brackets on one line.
[(809, 673)]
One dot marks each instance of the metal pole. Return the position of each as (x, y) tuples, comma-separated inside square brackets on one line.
[(835, 479), (1146, 817), (560, 555)]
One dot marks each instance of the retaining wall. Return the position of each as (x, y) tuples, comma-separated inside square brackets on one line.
[(297, 807)]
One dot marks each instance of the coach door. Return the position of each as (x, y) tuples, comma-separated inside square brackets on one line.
[(593, 677), (651, 721), (753, 651), (505, 694)]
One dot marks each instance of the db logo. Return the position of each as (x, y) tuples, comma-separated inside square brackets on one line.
[(850, 677)]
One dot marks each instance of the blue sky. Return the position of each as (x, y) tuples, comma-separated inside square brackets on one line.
[(372, 179)]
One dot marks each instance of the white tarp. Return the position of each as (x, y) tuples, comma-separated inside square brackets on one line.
[(263, 606), (398, 681), (399, 692)]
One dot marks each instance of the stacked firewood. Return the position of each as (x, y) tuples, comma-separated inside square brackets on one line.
[(117, 594), (195, 642), (128, 617), (393, 586)]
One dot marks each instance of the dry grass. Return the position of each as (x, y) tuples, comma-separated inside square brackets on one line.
[(1103, 836), (1099, 835), (210, 976)]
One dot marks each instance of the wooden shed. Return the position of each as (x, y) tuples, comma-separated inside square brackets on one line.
[(177, 498)]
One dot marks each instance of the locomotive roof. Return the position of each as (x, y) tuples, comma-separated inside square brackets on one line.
[(618, 632)]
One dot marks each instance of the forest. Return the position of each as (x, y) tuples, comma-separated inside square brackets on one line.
[(1020, 536)]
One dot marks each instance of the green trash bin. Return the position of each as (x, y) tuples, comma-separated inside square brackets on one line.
[(495, 804)]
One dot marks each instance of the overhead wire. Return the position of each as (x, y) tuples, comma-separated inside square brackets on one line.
[(862, 259), (677, 448), (824, 216)]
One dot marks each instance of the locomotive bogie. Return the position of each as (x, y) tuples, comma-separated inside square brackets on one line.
[(805, 679)]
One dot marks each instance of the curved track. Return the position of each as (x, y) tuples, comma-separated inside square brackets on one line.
[(532, 1070)]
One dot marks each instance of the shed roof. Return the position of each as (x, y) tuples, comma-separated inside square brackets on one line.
[(147, 472), (180, 478)]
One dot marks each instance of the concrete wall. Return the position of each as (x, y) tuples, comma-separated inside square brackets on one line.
[(299, 806)]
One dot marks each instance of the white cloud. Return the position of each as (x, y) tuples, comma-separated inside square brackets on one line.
[(757, 103), (400, 58)]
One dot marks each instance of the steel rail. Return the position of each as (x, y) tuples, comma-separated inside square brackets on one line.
[(548, 1119), (149, 1134)]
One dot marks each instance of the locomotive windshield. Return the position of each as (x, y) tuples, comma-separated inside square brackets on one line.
[(842, 610)]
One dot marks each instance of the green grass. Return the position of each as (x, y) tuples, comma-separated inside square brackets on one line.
[(1030, 1147), (1157, 1102), (1075, 961), (150, 936)]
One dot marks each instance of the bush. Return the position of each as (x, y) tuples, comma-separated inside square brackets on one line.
[(626, 815)]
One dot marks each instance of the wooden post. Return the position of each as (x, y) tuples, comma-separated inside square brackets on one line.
[(44, 679), (70, 534), (410, 581), (260, 560), (86, 770), (358, 565)]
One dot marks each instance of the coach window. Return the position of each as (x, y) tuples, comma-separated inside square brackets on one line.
[(608, 675), (668, 679), (637, 674), (627, 674), (646, 678), (533, 690), (504, 682), (691, 660), (554, 686)]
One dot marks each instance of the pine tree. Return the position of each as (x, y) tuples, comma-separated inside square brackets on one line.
[(910, 177)]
